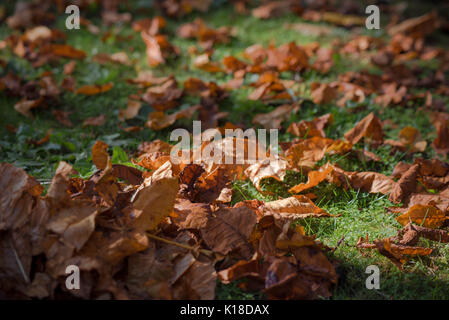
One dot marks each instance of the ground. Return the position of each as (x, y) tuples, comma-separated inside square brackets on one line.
[(358, 213)]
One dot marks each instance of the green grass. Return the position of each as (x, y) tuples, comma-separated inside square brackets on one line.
[(360, 213)]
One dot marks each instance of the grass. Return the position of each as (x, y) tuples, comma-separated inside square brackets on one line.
[(359, 213)]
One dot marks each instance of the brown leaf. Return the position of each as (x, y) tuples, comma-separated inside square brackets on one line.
[(95, 121), (159, 120), (130, 174), (314, 178), (409, 140), (74, 223), (154, 203), (424, 215), (265, 169), (197, 283), (417, 27), (191, 215), (22, 223), (69, 67), (323, 93), (229, 230), (308, 151), (24, 106), (369, 127), (406, 185), (119, 58), (271, 9), (64, 51), (295, 207), (314, 128), (131, 111), (164, 96), (204, 63), (441, 124), (273, 119), (90, 90), (100, 155), (158, 48)]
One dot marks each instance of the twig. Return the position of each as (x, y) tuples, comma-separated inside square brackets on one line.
[(181, 245)]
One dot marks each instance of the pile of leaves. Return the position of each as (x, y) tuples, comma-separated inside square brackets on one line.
[(161, 234)]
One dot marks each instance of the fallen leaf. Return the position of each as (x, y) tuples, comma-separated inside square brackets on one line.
[(295, 207), (425, 215)]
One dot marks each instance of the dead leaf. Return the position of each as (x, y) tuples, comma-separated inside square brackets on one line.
[(425, 215), (369, 127), (295, 207)]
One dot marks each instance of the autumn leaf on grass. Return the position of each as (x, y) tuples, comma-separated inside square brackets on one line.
[(323, 92), (232, 64), (309, 29), (158, 48), (206, 36), (417, 27), (177, 9), (409, 140), (397, 253), (265, 169), (314, 128), (154, 146), (119, 57), (411, 233), (90, 90), (314, 178), (153, 203), (131, 111), (307, 152), (95, 121), (63, 117), (424, 215), (272, 9), (369, 128), (372, 182), (204, 63), (406, 185), (441, 123), (295, 207), (206, 90), (159, 120), (273, 119), (25, 106), (146, 78), (336, 18), (64, 51), (154, 25), (100, 155), (164, 96), (41, 141), (391, 94)]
